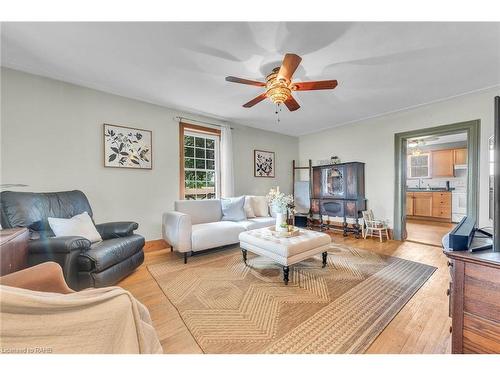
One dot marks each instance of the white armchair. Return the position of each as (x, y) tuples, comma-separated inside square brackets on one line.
[(372, 225)]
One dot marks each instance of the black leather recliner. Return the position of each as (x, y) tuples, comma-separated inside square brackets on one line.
[(84, 264)]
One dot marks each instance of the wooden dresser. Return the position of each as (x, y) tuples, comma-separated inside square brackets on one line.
[(13, 250), (475, 301)]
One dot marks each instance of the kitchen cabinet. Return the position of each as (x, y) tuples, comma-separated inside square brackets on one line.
[(409, 204), (422, 204), (460, 156), (443, 163), (441, 205), (429, 205)]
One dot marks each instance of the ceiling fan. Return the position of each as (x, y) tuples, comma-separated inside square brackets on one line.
[(279, 85)]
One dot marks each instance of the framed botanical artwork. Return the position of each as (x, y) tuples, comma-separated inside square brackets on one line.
[(126, 147), (263, 163)]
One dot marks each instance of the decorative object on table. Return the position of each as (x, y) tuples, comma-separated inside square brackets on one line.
[(338, 190), (335, 160), (126, 147), (290, 231), (263, 163), (373, 225), (279, 203)]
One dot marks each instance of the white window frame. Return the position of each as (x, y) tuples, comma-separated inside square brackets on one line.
[(409, 175), (216, 139)]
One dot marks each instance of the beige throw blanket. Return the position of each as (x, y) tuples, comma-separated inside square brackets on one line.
[(105, 320)]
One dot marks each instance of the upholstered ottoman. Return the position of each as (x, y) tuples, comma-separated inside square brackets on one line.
[(285, 251)]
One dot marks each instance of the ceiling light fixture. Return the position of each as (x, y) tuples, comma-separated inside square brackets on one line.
[(277, 90)]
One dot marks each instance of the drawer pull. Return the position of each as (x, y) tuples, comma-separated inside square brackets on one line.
[(451, 329), (449, 264), (448, 292)]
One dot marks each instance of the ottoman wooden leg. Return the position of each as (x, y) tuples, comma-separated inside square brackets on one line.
[(325, 254), (286, 270), (244, 252)]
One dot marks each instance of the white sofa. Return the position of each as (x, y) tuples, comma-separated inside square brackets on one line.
[(196, 225)]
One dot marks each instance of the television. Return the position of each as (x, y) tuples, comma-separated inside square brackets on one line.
[(496, 178)]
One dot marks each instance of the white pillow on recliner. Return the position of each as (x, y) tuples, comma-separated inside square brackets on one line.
[(79, 225)]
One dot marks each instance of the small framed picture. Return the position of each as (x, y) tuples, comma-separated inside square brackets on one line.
[(126, 147), (264, 163)]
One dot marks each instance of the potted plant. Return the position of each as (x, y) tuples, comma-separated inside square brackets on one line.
[(279, 203)]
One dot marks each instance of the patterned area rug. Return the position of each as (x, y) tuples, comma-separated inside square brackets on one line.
[(232, 308)]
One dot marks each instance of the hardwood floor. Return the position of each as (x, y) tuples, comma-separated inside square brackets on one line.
[(422, 326), (427, 232)]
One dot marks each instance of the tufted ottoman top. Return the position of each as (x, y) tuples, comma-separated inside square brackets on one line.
[(285, 247)]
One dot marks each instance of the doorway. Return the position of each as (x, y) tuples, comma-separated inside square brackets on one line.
[(436, 180)]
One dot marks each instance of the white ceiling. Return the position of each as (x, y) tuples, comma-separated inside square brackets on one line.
[(381, 67)]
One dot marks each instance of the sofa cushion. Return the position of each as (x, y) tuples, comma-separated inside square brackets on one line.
[(209, 235), (201, 211), (107, 253), (260, 206), (248, 207), (233, 209), (258, 222)]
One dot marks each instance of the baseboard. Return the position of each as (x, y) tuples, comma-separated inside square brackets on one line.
[(155, 245)]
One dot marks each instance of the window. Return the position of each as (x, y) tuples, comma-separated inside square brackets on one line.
[(199, 162), (418, 166)]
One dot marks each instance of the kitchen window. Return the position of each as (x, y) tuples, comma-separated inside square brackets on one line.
[(200, 160), (419, 166)]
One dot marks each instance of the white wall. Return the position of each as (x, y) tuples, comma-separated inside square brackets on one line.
[(372, 142), (51, 140)]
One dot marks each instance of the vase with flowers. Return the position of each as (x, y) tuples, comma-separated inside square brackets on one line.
[(279, 203)]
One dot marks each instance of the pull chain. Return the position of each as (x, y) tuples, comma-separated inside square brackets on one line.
[(278, 110)]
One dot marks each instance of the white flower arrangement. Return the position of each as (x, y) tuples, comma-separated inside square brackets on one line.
[(279, 201)]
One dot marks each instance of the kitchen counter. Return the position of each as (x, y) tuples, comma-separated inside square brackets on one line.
[(416, 190)]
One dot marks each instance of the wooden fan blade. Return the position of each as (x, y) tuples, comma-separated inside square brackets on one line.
[(315, 85), (292, 104), (244, 81), (256, 100), (289, 66)]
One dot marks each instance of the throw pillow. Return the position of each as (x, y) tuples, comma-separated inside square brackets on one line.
[(79, 225), (260, 206), (233, 209), (248, 207)]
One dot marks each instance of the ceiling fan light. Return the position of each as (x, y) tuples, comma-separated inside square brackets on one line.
[(279, 94), (277, 89)]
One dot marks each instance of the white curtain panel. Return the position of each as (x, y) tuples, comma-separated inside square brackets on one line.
[(226, 162)]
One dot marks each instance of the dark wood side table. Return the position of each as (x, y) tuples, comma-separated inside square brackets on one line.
[(474, 295), (13, 250)]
